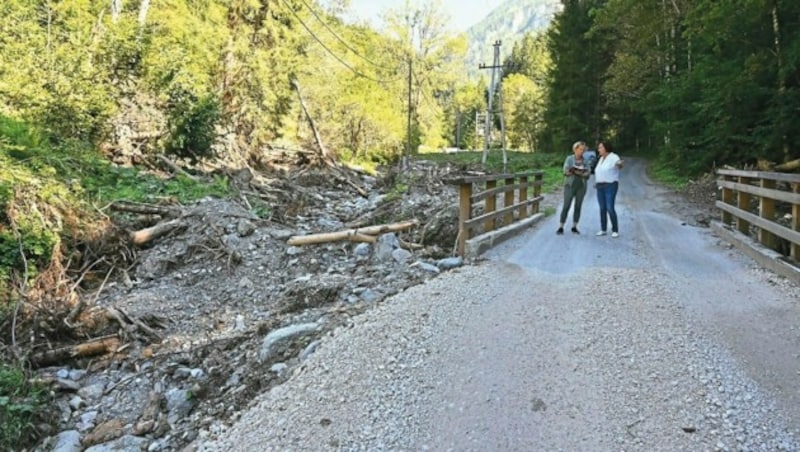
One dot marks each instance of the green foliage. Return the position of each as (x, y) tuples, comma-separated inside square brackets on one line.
[(20, 402), (192, 122)]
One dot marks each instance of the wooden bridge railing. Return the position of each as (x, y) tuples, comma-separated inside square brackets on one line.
[(474, 190), (741, 188)]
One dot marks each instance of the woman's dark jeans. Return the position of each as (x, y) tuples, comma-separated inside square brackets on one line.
[(606, 196)]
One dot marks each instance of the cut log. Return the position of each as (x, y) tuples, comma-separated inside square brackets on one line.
[(793, 165), (360, 234), (146, 235), (145, 209), (93, 347)]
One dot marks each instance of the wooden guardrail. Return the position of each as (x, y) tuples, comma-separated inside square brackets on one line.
[(483, 191), (741, 190)]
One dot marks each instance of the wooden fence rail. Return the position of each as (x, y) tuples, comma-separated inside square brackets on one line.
[(749, 199), (483, 191)]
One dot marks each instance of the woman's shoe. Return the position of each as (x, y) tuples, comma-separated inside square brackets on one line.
[(599, 233), (560, 231), (575, 230), (615, 234)]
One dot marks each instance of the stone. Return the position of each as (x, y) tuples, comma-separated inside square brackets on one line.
[(123, 444), (179, 404), (67, 385), (309, 350), (362, 250), (62, 373), (76, 403), (92, 392), (245, 228), (450, 263), (280, 234), (401, 255), (68, 441), (76, 374), (278, 338), (294, 250), (105, 432), (278, 368), (384, 247), (430, 268), (370, 296)]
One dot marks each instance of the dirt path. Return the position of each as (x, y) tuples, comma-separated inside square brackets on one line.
[(662, 339)]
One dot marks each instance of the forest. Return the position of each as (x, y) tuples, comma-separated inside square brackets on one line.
[(94, 94)]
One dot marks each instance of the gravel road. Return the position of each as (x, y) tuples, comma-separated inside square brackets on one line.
[(662, 339)]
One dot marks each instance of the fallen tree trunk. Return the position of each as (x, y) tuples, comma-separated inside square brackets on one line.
[(362, 234), (146, 235), (145, 209), (93, 347), (794, 165)]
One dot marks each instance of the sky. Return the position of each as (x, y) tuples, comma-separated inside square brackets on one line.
[(463, 13)]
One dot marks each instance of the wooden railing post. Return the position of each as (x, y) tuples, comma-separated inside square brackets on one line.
[(766, 206), (537, 191), (744, 204), (491, 205), (509, 201), (727, 198), (795, 251), (464, 214), (523, 196)]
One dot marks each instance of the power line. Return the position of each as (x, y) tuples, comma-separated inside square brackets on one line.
[(341, 61), (335, 35)]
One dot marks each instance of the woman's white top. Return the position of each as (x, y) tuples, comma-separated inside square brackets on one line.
[(607, 170)]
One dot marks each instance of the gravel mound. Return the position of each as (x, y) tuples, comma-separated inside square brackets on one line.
[(495, 357)]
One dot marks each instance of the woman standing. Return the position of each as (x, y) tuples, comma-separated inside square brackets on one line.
[(576, 171), (606, 176)]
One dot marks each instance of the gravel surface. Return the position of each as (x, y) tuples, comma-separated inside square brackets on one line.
[(660, 340)]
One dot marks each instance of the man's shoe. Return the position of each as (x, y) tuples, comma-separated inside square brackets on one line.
[(615, 234), (560, 231), (599, 233), (575, 230)]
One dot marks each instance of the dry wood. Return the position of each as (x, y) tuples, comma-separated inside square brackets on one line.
[(326, 156), (174, 167), (93, 347), (352, 234), (793, 165), (130, 324), (145, 209), (146, 235)]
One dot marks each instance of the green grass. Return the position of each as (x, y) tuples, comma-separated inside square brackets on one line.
[(19, 403), (667, 176)]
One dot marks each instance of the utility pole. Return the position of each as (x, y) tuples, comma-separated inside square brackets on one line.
[(495, 67), (404, 164)]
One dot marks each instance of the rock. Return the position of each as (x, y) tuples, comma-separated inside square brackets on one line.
[(245, 283), (278, 368), (362, 250), (62, 373), (401, 255), (294, 250), (239, 325), (304, 293), (330, 225), (76, 403), (245, 228), (92, 392), (370, 296), (68, 441), (182, 373), (64, 411), (76, 374), (280, 234), (67, 385), (384, 247), (430, 268), (278, 338), (450, 263), (105, 432), (87, 421), (179, 404), (309, 350), (125, 444)]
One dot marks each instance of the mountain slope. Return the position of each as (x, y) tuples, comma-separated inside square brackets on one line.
[(508, 23)]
